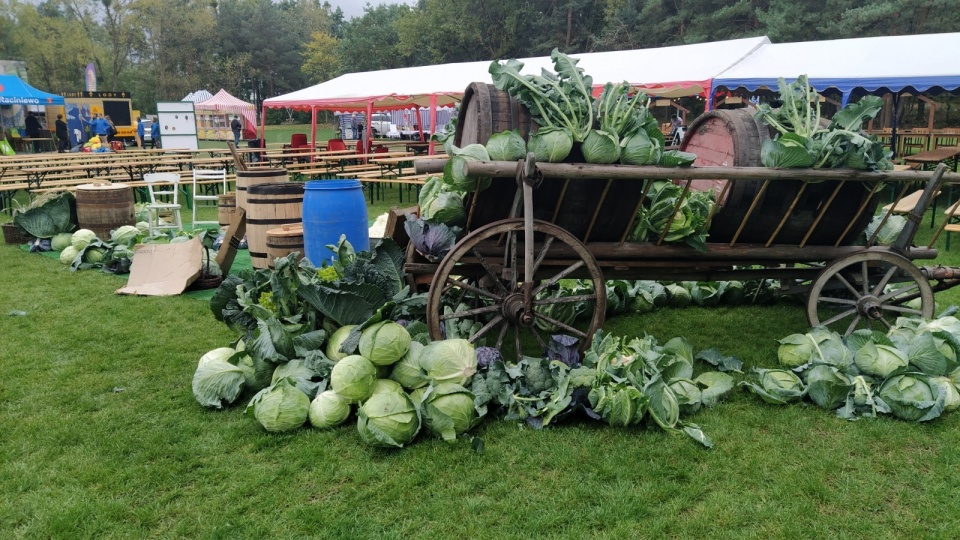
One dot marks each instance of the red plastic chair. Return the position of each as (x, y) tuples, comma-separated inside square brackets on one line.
[(334, 145), (381, 149), (297, 140)]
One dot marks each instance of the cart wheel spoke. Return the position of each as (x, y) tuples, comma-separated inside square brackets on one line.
[(839, 317), (469, 287), (503, 334), (548, 241), (853, 325), (489, 271), (469, 313), (562, 274), (487, 327), (882, 283)]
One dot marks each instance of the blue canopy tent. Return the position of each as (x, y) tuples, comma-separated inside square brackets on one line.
[(875, 65), (13, 91)]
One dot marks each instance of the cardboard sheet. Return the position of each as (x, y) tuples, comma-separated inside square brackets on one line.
[(164, 269)]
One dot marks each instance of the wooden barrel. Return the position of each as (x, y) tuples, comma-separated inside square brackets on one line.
[(733, 138), (485, 110), (270, 206), (226, 207), (266, 175), (102, 207), (283, 241)]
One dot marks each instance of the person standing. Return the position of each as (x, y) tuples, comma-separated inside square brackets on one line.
[(63, 137), (354, 124), (236, 127), (33, 129), (155, 133), (140, 133), (111, 129)]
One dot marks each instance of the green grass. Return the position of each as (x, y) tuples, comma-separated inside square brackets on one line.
[(101, 438)]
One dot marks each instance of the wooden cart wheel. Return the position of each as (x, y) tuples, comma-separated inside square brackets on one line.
[(478, 283), (868, 290)]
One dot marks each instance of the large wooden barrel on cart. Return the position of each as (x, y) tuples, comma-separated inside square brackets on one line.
[(270, 206), (102, 207), (591, 209), (733, 138), (245, 179)]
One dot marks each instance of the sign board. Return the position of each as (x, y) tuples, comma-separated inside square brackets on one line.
[(164, 269), (178, 125)]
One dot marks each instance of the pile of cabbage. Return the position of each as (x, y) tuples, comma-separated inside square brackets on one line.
[(911, 372), (393, 386), (83, 250)]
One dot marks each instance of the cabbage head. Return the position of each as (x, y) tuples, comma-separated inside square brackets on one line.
[(143, 227), (68, 254), (408, 371), (879, 360), (600, 147), (796, 350), (640, 149), (336, 340), (455, 172), (551, 144), (618, 404), (386, 385), (328, 410), (302, 376), (94, 255), (124, 235), (911, 398), (688, 394), (888, 232), (281, 407), (827, 386), (679, 297), (82, 238), (450, 360), (777, 386), (216, 381), (446, 208), (951, 396), (384, 343), (61, 241), (388, 420), (352, 378), (449, 410), (506, 146)]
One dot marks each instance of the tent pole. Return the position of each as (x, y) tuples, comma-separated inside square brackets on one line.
[(893, 124), (313, 129), (263, 127), (433, 122), (369, 130)]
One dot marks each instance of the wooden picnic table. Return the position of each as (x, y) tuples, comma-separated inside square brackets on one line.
[(395, 164), (931, 158)]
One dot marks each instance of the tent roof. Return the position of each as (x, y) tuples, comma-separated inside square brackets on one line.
[(13, 91), (920, 62), (224, 101), (668, 71), (198, 96)]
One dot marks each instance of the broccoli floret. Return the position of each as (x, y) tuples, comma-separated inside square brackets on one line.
[(537, 376), (582, 377)]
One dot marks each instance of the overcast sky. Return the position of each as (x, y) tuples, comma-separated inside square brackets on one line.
[(354, 8)]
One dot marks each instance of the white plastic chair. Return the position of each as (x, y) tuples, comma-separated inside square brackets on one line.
[(163, 189), (201, 178)]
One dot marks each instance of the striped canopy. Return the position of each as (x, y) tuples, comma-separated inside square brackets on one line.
[(225, 102)]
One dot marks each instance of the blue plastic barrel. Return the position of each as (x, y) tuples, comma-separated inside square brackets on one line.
[(332, 208)]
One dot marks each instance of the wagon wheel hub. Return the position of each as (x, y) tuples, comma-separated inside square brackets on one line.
[(514, 311), (870, 307)]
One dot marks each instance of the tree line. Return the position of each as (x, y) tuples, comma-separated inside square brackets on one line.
[(161, 50)]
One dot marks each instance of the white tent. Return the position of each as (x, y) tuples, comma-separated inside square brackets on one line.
[(683, 70), (198, 96), (916, 63)]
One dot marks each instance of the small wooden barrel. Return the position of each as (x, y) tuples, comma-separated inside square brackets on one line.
[(270, 206), (226, 207), (102, 207), (245, 179), (283, 241)]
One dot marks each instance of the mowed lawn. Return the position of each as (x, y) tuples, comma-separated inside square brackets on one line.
[(100, 437)]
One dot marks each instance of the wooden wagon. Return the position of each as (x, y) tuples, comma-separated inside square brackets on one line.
[(538, 224)]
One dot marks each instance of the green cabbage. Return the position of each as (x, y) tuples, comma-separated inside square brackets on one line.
[(388, 419), (551, 144), (600, 147), (281, 407), (68, 254), (94, 255), (506, 146), (640, 149), (455, 172), (61, 241), (328, 410), (450, 360), (384, 343), (336, 340), (777, 386), (449, 410), (352, 378), (386, 385), (911, 398), (82, 238), (216, 381), (689, 395), (879, 360), (125, 235), (827, 387), (446, 207), (408, 371)]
